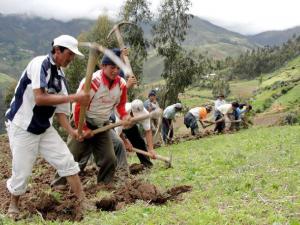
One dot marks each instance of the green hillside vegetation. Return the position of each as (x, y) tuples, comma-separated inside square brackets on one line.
[(23, 37), (280, 90), (153, 68), (240, 90), (202, 37), (6, 82)]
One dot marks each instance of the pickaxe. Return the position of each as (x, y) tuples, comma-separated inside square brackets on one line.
[(167, 160), (94, 50), (116, 30)]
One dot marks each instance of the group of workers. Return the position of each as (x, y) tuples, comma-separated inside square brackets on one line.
[(42, 92), (226, 116)]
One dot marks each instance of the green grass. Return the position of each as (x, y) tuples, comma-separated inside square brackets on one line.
[(264, 100), (250, 177), (194, 97), (286, 101), (291, 99), (287, 72), (242, 89)]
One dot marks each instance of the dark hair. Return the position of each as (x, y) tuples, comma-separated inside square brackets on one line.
[(152, 93), (208, 108), (235, 104), (61, 48), (107, 61), (249, 107), (242, 105)]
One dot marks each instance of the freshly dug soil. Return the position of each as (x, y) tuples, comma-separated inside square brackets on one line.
[(139, 190), (136, 168)]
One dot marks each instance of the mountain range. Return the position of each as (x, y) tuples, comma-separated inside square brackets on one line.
[(22, 37)]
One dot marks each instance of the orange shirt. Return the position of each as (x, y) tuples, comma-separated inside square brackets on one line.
[(199, 112), (202, 113)]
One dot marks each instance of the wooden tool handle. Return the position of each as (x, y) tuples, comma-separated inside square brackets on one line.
[(87, 86), (159, 157), (120, 123)]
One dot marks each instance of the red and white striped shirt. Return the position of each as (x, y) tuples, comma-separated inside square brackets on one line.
[(104, 98)]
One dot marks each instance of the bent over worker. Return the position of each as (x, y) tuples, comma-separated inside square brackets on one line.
[(194, 115), (133, 137), (42, 92), (168, 116)]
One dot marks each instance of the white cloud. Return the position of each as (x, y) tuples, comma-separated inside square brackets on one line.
[(246, 16)]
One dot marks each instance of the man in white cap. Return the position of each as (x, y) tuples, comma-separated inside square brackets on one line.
[(42, 92), (168, 117), (133, 137)]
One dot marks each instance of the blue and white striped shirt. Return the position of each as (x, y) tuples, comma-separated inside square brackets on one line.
[(41, 72)]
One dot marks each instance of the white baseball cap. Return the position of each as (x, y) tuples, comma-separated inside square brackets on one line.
[(68, 42), (136, 107), (178, 106)]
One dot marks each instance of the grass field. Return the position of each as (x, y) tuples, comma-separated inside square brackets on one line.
[(240, 90), (287, 72), (277, 95), (250, 177)]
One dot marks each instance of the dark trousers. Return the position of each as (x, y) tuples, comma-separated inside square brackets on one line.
[(101, 146), (220, 126), (191, 122), (166, 129), (137, 141)]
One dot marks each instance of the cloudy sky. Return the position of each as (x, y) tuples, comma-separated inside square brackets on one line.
[(244, 16)]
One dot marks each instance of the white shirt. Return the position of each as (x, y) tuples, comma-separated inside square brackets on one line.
[(170, 112), (225, 108), (219, 102), (144, 123)]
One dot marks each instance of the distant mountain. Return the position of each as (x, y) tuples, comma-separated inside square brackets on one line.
[(203, 37), (272, 38), (22, 37)]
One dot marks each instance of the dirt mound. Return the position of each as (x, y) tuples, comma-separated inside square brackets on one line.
[(50, 207), (139, 190), (136, 168)]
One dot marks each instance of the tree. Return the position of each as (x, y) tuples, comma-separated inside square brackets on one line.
[(169, 32), (137, 12), (98, 33), (220, 87)]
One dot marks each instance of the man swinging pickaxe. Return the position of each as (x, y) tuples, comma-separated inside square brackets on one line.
[(131, 79)]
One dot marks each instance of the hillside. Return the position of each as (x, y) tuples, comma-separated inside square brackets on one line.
[(278, 94), (203, 37), (23, 37), (5, 82), (274, 37)]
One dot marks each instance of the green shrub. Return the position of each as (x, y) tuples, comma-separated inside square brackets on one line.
[(291, 118)]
